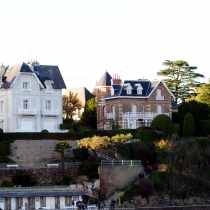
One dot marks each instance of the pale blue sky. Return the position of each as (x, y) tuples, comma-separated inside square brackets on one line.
[(87, 37)]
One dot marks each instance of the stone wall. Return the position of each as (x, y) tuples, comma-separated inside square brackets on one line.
[(114, 178), (43, 177), (36, 151)]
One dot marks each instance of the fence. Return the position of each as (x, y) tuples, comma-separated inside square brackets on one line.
[(121, 163), (38, 165)]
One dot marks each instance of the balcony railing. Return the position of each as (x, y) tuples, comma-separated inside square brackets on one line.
[(27, 111), (141, 115), (111, 115), (50, 112)]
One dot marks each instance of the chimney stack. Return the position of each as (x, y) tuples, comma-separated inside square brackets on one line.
[(116, 79)]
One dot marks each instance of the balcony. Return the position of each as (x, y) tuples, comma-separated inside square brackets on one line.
[(50, 112), (111, 115), (141, 115), (27, 111)]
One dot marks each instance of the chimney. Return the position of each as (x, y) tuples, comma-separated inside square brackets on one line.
[(116, 79)]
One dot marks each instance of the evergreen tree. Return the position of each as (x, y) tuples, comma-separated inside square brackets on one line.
[(189, 126), (181, 78)]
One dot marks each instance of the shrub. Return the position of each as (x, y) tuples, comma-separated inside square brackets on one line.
[(6, 183), (146, 135), (159, 179), (163, 123), (146, 188), (129, 193), (45, 131), (189, 126), (23, 179)]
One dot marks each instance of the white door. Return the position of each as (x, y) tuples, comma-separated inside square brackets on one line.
[(50, 202), (159, 109), (37, 203), (13, 203), (62, 202), (134, 109), (2, 203), (49, 124), (26, 124)]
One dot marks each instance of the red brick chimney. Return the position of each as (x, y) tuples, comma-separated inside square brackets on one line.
[(116, 79)]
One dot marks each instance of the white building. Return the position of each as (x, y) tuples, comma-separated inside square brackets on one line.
[(31, 98)]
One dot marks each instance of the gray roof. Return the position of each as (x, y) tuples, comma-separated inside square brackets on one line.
[(43, 73), (104, 81), (38, 193), (120, 90), (82, 94)]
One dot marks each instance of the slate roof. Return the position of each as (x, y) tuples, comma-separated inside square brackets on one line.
[(82, 93), (38, 193), (42, 72), (104, 81), (120, 90)]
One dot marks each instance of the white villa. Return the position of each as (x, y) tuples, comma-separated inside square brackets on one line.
[(31, 98)]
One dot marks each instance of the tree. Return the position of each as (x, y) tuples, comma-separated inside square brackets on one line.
[(61, 147), (70, 104), (180, 78), (201, 94), (89, 116), (189, 126), (101, 142), (163, 123)]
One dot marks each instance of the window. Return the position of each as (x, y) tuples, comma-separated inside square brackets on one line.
[(158, 92), (159, 95), (2, 106), (48, 85), (48, 105), (129, 91), (25, 104), (26, 86)]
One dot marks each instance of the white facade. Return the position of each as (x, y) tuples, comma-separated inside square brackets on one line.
[(28, 105)]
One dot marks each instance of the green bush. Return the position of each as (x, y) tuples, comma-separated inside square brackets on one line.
[(163, 123), (146, 135), (6, 183), (23, 179), (189, 126), (129, 193), (45, 131), (204, 127), (159, 179)]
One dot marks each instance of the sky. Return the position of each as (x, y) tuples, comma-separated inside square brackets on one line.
[(86, 38)]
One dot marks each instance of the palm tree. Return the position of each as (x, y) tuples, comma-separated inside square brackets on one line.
[(61, 147)]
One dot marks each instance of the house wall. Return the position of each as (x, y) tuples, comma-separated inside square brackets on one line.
[(12, 99)]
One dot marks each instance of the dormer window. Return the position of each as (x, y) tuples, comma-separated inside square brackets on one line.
[(129, 89), (26, 86), (48, 85), (139, 89)]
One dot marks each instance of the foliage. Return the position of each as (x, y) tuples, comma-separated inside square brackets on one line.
[(146, 188), (181, 78), (146, 135), (159, 179), (61, 147), (189, 126), (6, 183), (70, 104), (198, 110), (80, 154), (89, 116), (23, 179), (201, 94), (162, 148), (45, 131), (163, 123), (89, 168), (66, 180), (115, 126), (129, 193), (204, 127)]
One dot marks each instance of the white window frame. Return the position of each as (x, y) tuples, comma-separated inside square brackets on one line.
[(159, 94), (26, 104), (129, 90), (49, 88), (48, 104), (112, 91), (26, 86)]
